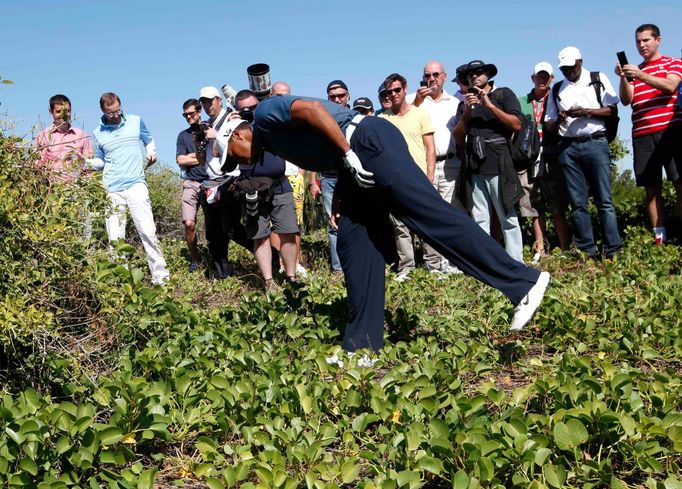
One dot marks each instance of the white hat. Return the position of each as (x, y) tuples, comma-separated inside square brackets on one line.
[(209, 92), (543, 66), (224, 134), (568, 56)]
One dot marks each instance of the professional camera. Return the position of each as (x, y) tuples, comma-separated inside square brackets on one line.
[(198, 130), (246, 113)]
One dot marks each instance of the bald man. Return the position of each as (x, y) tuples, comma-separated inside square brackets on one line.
[(280, 88), (441, 108)]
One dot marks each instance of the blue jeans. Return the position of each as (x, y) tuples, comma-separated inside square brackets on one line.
[(328, 185), (588, 163), (487, 197)]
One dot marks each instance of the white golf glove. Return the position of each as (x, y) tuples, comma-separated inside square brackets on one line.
[(362, 176)]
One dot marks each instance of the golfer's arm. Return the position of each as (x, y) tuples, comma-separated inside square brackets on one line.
[(312, 113)]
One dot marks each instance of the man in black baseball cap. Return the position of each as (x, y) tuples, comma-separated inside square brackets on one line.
[(364, 106)]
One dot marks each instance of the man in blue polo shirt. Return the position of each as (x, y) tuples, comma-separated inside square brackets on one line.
[(377, 176), (118, 153)]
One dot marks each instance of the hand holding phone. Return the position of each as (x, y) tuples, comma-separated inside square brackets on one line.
[(623, 60)]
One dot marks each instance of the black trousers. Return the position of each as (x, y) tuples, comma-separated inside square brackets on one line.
[(223, 223), (365, 234)]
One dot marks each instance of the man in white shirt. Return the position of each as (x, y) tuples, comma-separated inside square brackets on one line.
[(441, 108), (574, 111), (222, 211)]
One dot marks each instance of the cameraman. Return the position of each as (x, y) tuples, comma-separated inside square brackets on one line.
[(193, 173), (277, 209), (221, 209)]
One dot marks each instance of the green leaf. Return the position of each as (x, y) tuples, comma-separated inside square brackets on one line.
[(350, 471), (461, 480), (28, 465), (110, 435), (569, 435), (214, 483), (16, 437), (617, 483), (430, 464), (555, 475), (146, 480)]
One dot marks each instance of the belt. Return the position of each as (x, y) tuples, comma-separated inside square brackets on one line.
[(582, 139), (354, 122), (445, 157)]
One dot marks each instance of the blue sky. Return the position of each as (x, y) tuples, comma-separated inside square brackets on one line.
[(157, 54)]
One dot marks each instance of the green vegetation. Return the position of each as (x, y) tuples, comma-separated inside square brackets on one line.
[(107, 382)]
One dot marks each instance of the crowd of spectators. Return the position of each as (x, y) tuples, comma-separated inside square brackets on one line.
[(462, 142)]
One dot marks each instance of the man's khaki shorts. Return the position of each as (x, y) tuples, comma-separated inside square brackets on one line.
[(190, 200)]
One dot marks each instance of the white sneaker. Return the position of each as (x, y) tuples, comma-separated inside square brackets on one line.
[(365, 361), (445, 267), (300, 270), (402, 276), (334, 360), (440, 275), (529, 304)]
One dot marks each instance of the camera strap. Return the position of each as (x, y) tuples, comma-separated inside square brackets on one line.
[(220, 122)]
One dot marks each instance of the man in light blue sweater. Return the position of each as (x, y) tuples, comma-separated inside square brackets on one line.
[(118, 152)]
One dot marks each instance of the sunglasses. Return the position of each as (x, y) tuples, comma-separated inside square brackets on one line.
[(391, 91), (334, 96), (189, 114), (435, 74)]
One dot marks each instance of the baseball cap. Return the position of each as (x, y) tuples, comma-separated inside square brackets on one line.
[(543, 66), (336, 83), (363, 103), (225, 132), (209, 92), (568, 56)]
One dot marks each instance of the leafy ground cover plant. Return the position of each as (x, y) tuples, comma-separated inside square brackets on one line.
[(214, 384)]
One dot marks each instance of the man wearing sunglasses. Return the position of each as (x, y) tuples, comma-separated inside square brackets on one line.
[(377, 176), (193, 173), (415, 126), (486, 121), (118, 153), (583, 151), (441, 108)]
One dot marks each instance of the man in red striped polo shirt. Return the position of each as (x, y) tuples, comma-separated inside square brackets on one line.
[(656, 121)]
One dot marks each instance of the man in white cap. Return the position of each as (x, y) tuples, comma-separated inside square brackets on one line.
[(543, 184), (221, 210), (575, 111)]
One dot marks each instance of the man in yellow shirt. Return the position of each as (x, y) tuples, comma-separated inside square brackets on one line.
[(415, 126)]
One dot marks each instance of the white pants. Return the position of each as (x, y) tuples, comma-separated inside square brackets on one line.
[(136, 198)]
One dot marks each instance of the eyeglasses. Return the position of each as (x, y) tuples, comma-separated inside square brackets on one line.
[(435, 74), (391, 91), (113, 113), (189, 114), (333, 96)]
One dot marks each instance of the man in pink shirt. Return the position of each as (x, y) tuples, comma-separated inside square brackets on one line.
[(62, 147)]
